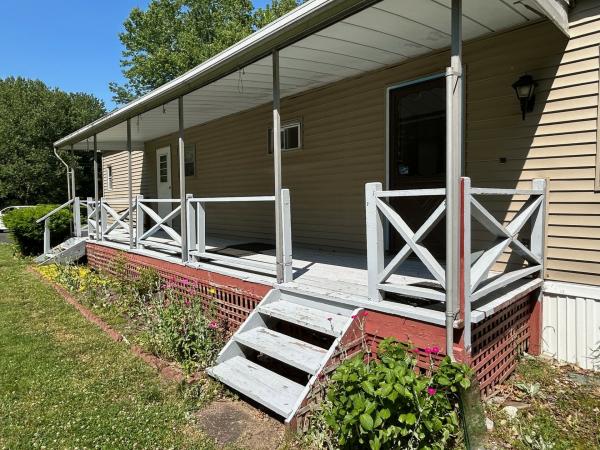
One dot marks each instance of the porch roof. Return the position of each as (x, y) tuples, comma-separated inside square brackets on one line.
[(320, 42)]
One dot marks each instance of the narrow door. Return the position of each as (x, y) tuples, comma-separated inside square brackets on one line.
[(163, 179), (417, 149)]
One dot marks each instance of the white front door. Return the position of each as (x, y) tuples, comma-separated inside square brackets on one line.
[(163, 178)]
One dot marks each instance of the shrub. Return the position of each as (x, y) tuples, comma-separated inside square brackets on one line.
[(387, 404), (29, 235)]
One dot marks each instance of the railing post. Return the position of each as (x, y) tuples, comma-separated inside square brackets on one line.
[(375, 249), (77, 216), (103, 219), (286, 223), (47, 248), (538, 223), (139, 221), (201, 227), (465, 258), (88, 213), (190, 229)]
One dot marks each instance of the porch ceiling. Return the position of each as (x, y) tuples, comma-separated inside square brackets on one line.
[(385, 33)]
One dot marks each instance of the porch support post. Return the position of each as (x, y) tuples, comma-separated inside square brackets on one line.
[(96, 192), (73, 172), (454, 145), (129, 184), (277, 167), (182, 193)]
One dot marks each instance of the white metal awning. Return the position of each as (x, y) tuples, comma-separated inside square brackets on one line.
[(320, 42)]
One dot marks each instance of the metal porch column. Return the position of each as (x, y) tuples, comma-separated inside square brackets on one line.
[(129, 184), (277, 167), (96, 193), (454, 146), (182, 193)]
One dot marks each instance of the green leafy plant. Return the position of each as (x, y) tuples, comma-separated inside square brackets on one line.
[(180, 329), (29, 235), (387, 403)]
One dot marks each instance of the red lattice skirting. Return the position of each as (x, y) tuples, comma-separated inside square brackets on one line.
[(232, 299), (497, 341)]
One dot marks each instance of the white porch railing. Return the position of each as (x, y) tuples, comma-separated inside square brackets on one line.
[(159, 224), (76, 222), (478, 281), (111, 218), (196, 230)]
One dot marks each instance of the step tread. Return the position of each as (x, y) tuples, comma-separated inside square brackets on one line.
[(268, 388), (284, 348), (315, 319)]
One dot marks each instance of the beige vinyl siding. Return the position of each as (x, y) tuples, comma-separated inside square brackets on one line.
[(344, 146), (142, 181)]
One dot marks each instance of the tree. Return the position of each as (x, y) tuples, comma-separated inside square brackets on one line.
[(32, 117), (173, 36)]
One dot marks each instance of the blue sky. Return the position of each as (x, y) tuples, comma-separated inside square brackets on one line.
[(69, 44)]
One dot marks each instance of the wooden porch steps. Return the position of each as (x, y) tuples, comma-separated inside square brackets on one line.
[(276, 355), (68, 251)]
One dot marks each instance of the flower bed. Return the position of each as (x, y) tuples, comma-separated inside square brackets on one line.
[(158, 315)]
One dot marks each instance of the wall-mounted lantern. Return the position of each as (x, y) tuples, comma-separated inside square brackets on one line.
[(525, 89)]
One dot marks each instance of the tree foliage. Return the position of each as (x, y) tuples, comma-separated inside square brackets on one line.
[(32, 117), (171, 37)]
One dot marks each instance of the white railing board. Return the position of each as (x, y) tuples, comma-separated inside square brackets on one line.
[(524, 214), (54, 211), (407, 234), (494, 191), (481, 268), (412, 193), (408, 290), (118, 219), (518, 247), (160, 223), (485, 218), (503, 280), (260, 198), (161, 200), (419, 235)]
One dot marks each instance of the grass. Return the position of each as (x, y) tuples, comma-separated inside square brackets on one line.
[(561, 408), (64, 384)]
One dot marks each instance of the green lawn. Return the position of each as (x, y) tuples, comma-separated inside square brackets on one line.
[(64, 384)]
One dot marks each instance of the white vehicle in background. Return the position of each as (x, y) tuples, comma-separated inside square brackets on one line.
[(3, 211)]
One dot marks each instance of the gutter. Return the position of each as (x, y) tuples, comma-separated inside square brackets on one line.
[(292, 27)]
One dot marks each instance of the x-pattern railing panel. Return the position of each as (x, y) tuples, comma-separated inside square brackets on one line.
[(118, 219), (413, 240), (161, 223), (506, 237)]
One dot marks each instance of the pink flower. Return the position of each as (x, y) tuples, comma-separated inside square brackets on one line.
[(213, 325), (428, 350), (435, 350), (187, 302), (431, 391), (354, 316), (185, 281), (365, 313)]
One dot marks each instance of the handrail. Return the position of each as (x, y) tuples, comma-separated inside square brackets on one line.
[(258, 198), (55, 210)]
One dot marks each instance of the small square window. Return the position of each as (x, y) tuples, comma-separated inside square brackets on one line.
[(163, 166), (109, 178), (291, 137), (190, 160)]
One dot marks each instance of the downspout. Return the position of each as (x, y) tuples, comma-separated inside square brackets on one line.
[(68, 173)]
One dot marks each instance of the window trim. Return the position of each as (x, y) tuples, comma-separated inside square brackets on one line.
[(109, 178), (284, 126), (597, 175), (194, 162)]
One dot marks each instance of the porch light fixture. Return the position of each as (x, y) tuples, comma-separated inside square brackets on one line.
[(525, 89)]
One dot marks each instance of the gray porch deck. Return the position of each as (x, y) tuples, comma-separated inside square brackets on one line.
[(340, 275)]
